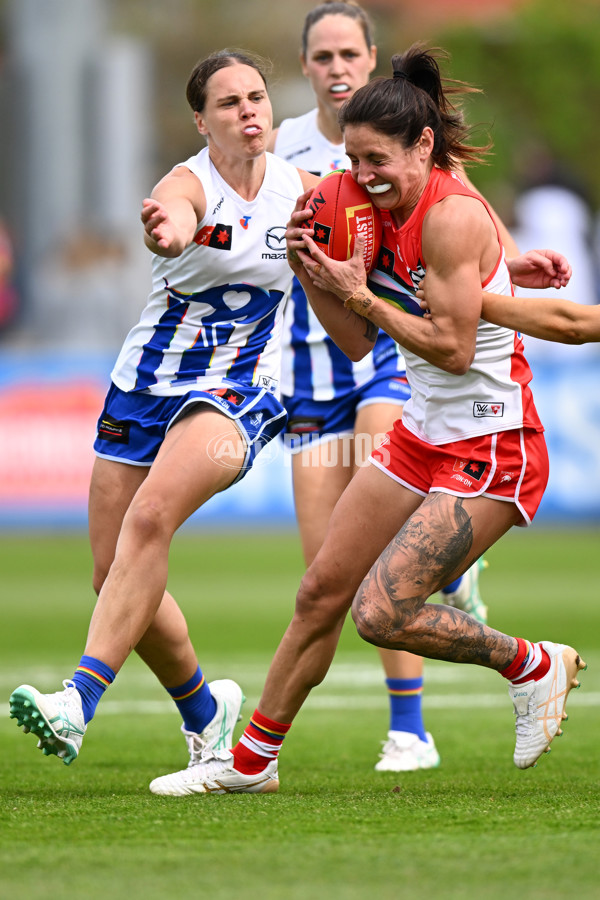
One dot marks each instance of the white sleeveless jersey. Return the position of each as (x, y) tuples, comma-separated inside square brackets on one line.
[(313, 366), (492, 396), (215, 312)]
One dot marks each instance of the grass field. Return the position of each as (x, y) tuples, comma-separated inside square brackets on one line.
[(474, 828)]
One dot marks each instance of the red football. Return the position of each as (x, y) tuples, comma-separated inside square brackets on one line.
[(342, 209)]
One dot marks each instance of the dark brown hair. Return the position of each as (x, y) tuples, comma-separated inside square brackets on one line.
[(334, 8), (196, 87), (414, 97)]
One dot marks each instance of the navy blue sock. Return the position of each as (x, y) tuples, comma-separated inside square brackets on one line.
[(195, 702), (453, 586), (405, 705), (91, 679)]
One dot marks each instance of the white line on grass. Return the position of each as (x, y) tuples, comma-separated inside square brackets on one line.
[(331, 701)]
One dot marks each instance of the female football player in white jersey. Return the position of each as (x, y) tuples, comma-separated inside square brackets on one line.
[(194, 397), (339, 410)]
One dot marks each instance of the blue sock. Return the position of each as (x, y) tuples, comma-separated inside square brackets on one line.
[(405, 705), (91, 679), (453, 586), (195, 702)]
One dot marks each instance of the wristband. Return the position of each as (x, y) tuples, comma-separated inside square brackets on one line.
[(359, 302)]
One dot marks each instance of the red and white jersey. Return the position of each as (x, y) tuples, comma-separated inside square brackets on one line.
[(494, 394), (313, 366)]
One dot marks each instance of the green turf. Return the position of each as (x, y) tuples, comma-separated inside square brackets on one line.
[(474, 828)]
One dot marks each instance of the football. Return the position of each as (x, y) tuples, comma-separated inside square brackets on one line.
[(341, 209)]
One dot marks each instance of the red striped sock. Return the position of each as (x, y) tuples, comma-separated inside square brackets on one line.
[(260, 743), (518, 662), (521, 668)]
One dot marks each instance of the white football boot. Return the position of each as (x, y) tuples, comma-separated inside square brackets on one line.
[(540, 705), (218, 734), (215, 774), (406, 752), (56, 719), (216, 738)]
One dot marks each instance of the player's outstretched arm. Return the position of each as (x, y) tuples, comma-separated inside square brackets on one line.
[(556, 320), (171, 215)]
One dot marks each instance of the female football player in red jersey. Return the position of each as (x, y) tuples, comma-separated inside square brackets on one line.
[(466, 462), (339, 409)]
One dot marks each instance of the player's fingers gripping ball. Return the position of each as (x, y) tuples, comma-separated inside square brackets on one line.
[(341, 210)]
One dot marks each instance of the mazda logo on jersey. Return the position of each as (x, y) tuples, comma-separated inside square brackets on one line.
[(275, 237)]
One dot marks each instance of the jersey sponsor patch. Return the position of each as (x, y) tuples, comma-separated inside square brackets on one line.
[(216, 236), (473, 468), (110, 429), (493, 410), (386, 264), (268, 383), (228, 394)]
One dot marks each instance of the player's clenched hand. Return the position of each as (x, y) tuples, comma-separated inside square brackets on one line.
[(539, 269), (340, 278)]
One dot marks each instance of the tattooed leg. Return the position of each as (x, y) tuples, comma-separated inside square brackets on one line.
[(435, 545)]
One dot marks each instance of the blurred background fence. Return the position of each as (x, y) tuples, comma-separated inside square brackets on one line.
[(93, 112)]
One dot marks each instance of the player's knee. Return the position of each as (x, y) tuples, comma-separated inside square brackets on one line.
[(368, 629), (148, 522), (320, 599), (375, 622)]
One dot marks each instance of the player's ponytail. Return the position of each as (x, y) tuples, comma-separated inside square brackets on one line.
[(414, 97)]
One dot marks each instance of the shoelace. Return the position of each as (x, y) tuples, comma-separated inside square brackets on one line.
[(67, 685), (523, 723), (214, 762), (196, 747)]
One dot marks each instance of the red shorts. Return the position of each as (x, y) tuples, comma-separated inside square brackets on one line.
[(508, 465)]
